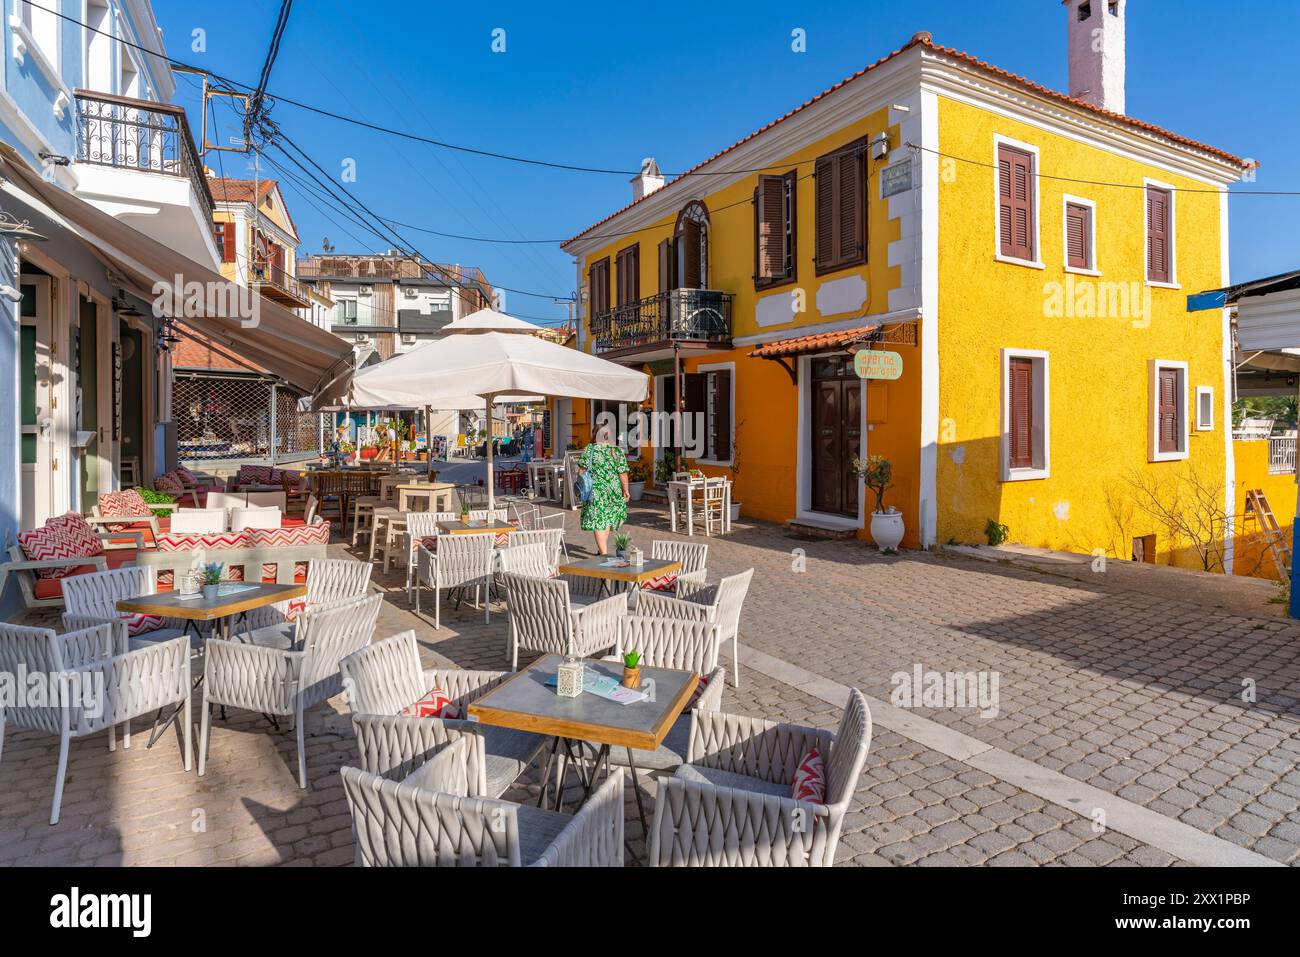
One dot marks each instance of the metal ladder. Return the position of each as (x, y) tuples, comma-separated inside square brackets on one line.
[(1257, 507)]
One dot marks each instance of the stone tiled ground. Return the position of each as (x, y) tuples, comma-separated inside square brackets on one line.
[(1134, 694)]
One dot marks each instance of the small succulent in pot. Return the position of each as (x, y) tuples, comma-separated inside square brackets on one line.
[(210, 579), (621, 541), (632, 670)]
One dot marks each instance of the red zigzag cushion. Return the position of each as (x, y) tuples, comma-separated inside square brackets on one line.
[(810, 778)]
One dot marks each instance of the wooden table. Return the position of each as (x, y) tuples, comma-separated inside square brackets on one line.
[(475, 527), (195, 609), (437, 495), (526, 703), (629, 575)]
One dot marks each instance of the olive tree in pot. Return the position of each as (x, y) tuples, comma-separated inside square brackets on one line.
[(886, 524)]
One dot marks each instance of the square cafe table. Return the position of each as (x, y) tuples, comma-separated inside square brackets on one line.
[(472, 527), (628, 574), (526, 703), (196, 608)]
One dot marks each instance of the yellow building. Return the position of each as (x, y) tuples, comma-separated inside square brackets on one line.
[(1025, 254), (257, 239)]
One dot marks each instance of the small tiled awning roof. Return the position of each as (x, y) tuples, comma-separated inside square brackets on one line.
[(825, 340)]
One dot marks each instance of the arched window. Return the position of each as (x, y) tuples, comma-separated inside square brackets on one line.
[(691, 239)]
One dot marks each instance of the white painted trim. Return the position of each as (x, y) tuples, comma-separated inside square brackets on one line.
[(1153, 405), (1042, 399), (1037, 262), (1091, 270), (838, 325), (928, 494), (1173, 235), (1203, 425), (715, 367)]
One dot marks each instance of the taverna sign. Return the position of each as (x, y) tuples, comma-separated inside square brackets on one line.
[(877, 365)]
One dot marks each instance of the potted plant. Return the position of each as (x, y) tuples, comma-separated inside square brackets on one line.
[(735, 473), (632, 670), (621, 542), (369, 451), (210, 580), (637, 473), (886, 524), (664, 469)]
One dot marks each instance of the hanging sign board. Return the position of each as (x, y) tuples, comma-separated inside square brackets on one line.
[(869, 364)]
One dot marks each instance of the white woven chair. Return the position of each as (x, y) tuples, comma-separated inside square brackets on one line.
[(433, 816), (329, 580), (694, 557), (286, 683), (552, 538), (95, 686), (682, 645), (721, 603), (531, 519), (386, 676), (730, 804), (533, 560), (543, 619), (461, 561), (92, 599), (420, 526)]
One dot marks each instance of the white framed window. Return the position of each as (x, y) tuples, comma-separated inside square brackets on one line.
[(1016, 203), (1079, 235), (1026, 415), (1167, 412), (1204, 408), (1160, 234)]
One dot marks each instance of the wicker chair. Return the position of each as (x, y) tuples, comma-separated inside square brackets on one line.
[(419, 526), (461, 560), (552, 538), (694, 558), (278, 682), (722, 603), (329, 580), (542, 619), (92, 599), (730, 805), (434, 817), (685, 646), (385, 677), (533, 560), (134, 683)]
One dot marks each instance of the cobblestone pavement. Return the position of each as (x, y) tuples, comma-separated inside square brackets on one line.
[(1136, 695)]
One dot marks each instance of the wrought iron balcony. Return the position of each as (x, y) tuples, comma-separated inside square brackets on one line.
[(693, 315), (142, 135), (279, 286)]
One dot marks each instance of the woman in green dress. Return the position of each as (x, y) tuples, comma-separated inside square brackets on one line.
[(607, 507)]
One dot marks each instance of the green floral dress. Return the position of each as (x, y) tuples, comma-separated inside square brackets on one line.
[(606, 509)]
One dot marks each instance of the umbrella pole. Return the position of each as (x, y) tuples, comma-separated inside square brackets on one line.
[(489, 456)]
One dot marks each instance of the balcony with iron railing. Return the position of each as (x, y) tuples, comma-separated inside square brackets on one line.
[(701, 317), (279, 286), (1281, 454), (124, 133)]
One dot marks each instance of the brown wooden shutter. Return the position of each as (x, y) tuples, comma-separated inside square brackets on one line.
[(627, 271), (689, 243), (1021, 453), (1077, 236), (1158, 268), (774, 223), (850, 213), (693, 392), (227, 242), (598, 287), (666, 265), (1167, 415), (1015, 203), (825, 206), (720, 427)]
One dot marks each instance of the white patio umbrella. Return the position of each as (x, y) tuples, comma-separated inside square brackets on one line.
[(492, 365)]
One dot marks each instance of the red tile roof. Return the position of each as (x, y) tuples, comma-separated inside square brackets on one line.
[(226, 190), (824, 340), (924, 39)]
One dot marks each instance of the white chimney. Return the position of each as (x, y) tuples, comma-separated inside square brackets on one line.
[(1095, 30), (648, 180)]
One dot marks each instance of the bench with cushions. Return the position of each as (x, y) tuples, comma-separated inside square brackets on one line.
[(253, 554), (40, 558)]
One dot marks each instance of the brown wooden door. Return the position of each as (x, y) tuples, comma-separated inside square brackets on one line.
[(836, 438)]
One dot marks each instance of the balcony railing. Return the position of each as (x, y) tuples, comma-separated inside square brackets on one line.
[(1281, 454), (698, 315), (127, 133), (278, 286)]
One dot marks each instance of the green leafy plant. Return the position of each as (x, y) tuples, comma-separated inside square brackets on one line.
[(158, 498), (638, 471), (876, 472), (996, 532), (664, 468), (211, 573), (622, 540), (631, 659)]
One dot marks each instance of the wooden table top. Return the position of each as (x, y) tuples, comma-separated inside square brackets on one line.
[(595, 568), (172, 605), (474, 527), (525, 702)]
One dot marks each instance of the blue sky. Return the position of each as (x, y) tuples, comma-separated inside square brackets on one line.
[(605, 85)]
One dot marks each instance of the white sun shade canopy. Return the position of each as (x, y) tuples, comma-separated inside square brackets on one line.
[(443, 372), (487, 320)]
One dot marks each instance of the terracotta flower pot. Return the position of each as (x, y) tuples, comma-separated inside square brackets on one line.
[(632, 678)]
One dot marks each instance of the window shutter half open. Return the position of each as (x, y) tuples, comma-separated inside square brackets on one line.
[(228, 242), (1021, 438)]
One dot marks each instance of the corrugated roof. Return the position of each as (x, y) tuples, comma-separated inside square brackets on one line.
[(924, 39)]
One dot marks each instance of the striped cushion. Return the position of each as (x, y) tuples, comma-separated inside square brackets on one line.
[(665, 583), (141, 624), (49, 543), (435, 703), (700, 688), (78, 530), (318, 534), (810, 778), (126, 503), (170, 483), (430, 542)]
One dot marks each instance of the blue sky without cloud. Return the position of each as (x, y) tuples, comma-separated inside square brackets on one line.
[(605, 85)]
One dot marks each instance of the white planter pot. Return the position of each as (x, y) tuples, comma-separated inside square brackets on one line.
[(735, 512), (887, 530), (635, 490)]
